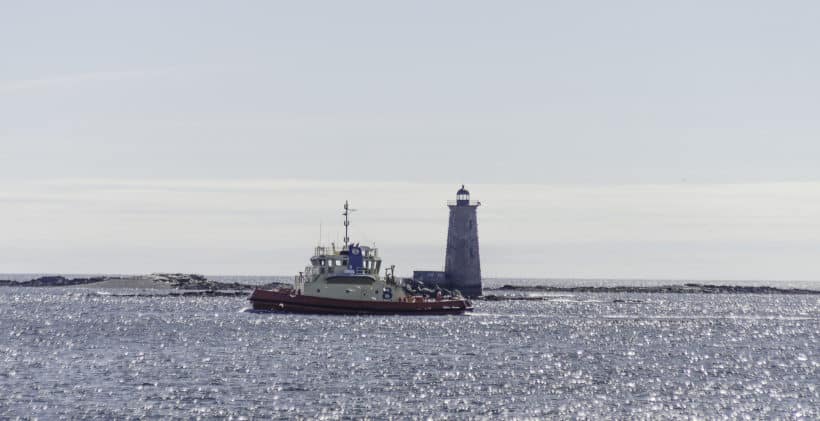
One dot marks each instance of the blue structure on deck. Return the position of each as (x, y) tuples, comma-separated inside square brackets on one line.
[(355, 258)]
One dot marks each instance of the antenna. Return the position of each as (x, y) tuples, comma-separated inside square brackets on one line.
[(346, 213), (320, 233)]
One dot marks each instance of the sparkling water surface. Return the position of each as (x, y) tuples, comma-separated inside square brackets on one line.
[(83, 353)]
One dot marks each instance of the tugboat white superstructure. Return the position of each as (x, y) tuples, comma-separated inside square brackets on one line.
[(347, 281)]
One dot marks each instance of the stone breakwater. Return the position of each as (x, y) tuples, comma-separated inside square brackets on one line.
[(175, 281)]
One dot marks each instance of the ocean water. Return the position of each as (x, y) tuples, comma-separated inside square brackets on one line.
[(85, 353)]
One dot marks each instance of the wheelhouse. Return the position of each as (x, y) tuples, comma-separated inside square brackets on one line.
[(331, 261)]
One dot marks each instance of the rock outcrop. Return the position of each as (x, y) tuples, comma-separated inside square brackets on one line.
[(53, 281)]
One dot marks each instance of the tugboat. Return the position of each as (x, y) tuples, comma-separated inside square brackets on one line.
[(347, 281)]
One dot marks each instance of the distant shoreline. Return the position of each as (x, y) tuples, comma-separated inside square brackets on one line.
[(161, 281), (200, 285), (687, 288)]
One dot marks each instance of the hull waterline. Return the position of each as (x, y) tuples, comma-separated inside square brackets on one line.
[(290, 302)]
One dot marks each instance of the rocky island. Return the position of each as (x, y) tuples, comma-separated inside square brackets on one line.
[(530, 292), (178, 284)]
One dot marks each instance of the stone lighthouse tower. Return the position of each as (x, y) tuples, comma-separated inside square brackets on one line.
[(462, 266)]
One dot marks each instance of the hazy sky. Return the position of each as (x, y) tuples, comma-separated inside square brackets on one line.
[(606, 139)]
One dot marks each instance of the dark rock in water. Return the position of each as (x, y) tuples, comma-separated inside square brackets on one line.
[(619, 301), (415, 287), (53, 281), (272, 285)]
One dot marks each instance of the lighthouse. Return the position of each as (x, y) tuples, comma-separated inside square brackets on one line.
[(462, 264)]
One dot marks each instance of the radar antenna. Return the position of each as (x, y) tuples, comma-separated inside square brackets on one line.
[(346, 213)]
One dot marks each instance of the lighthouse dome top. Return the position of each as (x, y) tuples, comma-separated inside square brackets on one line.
[(463, 196), (463, 199)]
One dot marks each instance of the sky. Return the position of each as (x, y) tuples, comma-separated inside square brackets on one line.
[(634, 139)]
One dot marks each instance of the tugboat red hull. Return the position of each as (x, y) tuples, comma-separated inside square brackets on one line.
[(290, 302)]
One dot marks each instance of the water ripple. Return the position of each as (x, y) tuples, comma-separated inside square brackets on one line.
[(65, 354)]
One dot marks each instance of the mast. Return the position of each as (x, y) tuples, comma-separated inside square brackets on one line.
[(346, 213)]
